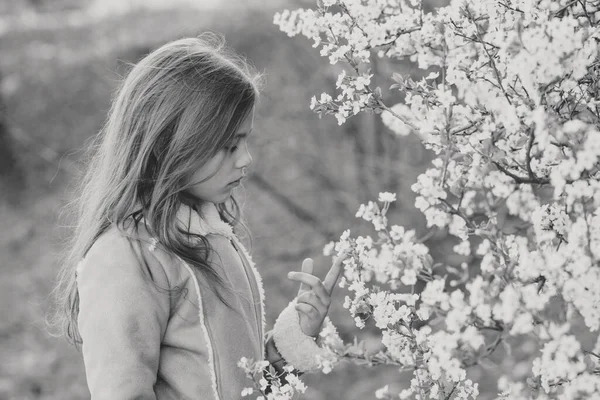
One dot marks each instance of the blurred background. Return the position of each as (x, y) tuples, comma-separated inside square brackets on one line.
[(61, 61)]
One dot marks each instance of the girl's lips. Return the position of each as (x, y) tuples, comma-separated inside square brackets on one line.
[(235, 183)]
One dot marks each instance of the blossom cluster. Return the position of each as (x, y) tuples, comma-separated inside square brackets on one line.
[(509, 105), (267, 382), (398, 260)]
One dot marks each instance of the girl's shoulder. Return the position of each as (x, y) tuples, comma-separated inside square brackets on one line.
[(130, 254), (124, 303)]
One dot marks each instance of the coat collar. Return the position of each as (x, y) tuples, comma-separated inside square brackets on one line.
[(206, 221)]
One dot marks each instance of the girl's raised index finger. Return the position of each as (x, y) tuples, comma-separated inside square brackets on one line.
[(307, 267), (335, 272)]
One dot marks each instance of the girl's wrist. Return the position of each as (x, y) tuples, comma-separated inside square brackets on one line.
[(272, 354)]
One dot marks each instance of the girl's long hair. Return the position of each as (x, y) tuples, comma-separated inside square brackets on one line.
[(175, 110)]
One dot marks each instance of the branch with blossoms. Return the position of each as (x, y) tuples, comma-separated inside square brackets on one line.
[(267, 383), (440, 355), (396, 260), (510, 108)]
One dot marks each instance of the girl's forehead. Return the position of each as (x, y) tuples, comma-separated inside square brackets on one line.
[(247, 124)]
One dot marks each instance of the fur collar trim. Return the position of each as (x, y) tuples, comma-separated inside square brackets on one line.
[(206, 221)]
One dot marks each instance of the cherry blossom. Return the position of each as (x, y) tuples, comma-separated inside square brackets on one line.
[(509, 108)]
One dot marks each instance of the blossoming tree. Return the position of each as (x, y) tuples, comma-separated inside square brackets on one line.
[(510, 108)]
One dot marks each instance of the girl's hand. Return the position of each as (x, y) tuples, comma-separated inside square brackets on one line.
[(314, 295)]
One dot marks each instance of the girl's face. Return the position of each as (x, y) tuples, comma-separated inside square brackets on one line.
[(215, 180)]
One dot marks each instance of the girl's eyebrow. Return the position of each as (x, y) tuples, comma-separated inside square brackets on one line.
[(241, 135)]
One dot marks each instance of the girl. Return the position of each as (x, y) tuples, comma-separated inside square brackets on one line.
[(158, 290)]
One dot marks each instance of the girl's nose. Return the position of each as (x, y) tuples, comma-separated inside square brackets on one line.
[(245, 159)]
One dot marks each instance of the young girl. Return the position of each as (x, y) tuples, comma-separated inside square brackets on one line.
[(158, 290)]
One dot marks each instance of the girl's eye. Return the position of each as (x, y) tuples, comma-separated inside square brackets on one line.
[(233, 149)]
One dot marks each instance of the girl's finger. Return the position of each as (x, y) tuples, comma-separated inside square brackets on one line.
[(334, 273), (312, 282), (312, 299), (309, 310), (307, 267)]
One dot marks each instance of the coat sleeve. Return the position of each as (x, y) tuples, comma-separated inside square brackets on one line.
[(122, 318), (305, 353)]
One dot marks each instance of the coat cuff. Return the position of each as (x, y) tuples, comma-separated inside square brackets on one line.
[(298, 349)]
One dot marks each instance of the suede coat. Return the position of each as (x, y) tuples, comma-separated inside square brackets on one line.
[(152, 327)]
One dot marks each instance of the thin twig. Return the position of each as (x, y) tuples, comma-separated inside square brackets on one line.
[(510, 8), (528, 155), (592, 353), (451, 392), (492, 62), (456, 211), (464, 128), (520, 179)]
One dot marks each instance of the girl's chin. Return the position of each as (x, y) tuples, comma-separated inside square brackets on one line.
[(227, 193)]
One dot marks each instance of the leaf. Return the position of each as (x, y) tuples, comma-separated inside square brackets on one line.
[(488, 364), (396, 77)]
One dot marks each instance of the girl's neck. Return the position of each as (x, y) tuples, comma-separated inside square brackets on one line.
[(203, 219)]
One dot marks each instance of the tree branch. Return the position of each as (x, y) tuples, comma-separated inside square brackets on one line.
[(519, 179)]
